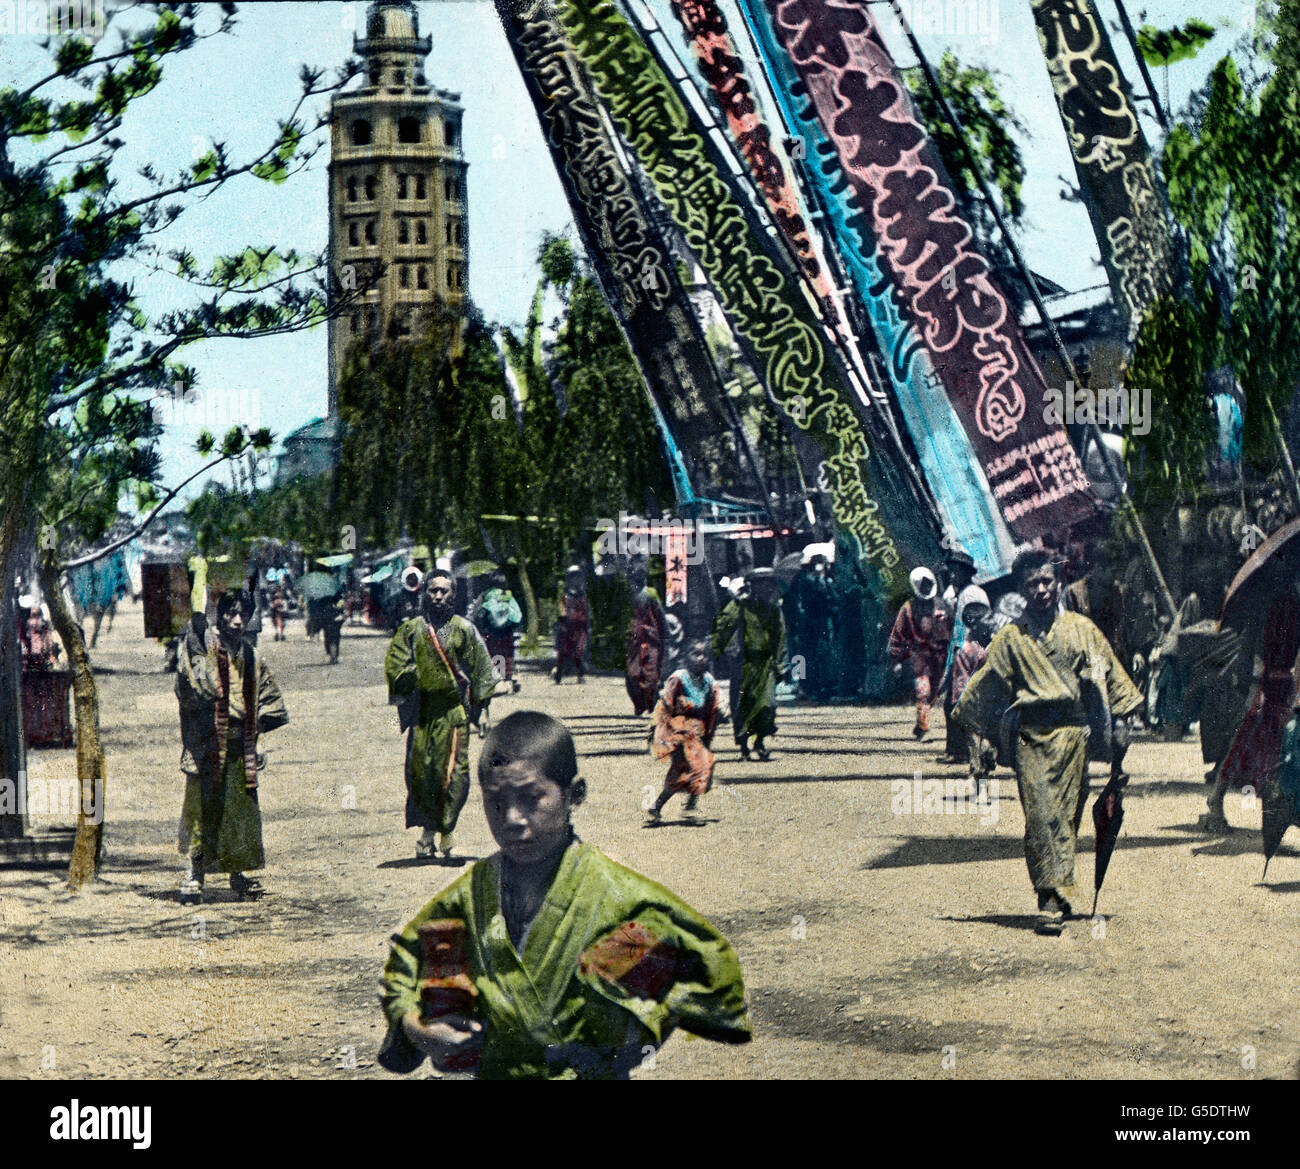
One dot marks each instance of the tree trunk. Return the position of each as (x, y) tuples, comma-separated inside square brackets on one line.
[(90, 754), (532, 617)]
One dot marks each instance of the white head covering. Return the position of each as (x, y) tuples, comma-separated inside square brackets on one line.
[(733, 585), (924, 583), (412, 578), (971, 595)]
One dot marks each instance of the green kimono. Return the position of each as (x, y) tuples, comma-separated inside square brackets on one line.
[(611, 965), (220, 818), (762, 658), (433, 706), (1047, 682)]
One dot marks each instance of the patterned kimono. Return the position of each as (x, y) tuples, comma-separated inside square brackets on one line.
[(645, 650), (760, 627), (220, 818), (1047, 681), (685, 720), (433, 690), (611, 965), (921, 639)]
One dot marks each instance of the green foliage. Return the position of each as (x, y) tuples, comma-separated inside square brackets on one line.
[(1171, 357), (79, 359), (434, 443), (1171, 45), (988, 121), (1234, 184)]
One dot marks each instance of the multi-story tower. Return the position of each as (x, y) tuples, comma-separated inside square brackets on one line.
[(397, 189)]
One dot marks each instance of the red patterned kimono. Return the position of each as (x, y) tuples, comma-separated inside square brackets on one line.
[(1257, 747), (685, 719), (922, 639), (645, 651)]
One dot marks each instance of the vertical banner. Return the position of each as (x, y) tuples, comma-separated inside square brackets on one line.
[(633, 264), (756, 286), (1111, 157), (927, 254), (676, 560), (948, 461)]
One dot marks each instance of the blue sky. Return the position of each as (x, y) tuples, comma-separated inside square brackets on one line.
[(233, 88)]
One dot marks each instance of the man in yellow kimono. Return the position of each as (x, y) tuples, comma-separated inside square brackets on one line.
[(576, 967), (440, 676), (1055, 673), (227, 698)]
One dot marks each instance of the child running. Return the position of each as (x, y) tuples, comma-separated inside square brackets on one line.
[(685, 720), (548, 960)]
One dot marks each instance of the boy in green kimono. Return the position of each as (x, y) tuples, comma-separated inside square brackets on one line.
[(758, 624), (581, 967), (1058, 674), (227, 698), (440, 676)]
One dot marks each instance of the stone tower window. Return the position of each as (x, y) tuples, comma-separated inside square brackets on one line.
[(403, 230), (404, 275), (399, 76), (354, 237), (361, 132), (449, 189), (449, 236), (421, 277), (451, 133), (408, 130), (419, 187), (421, 232), (370, 186), (352, 188), (401, 186), (370, 231)]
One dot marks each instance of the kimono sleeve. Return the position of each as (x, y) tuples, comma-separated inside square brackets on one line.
[(400, 990), (196, 686), (399, 664), (724, 628), (901, 635), (670, 968), (779, 657), (271, 712), (1122, 695), (477, 663), (989, 691)]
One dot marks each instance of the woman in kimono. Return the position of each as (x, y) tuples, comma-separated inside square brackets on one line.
[(645, 650), (919, 640), (551, 961), (227, 699), (685, 719), (572, 629), (758, 625)]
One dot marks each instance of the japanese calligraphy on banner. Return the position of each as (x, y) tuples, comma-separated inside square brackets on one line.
[(755, 286), (927, 253), (632, 261), (1110, 155), (676, 562), (971, 516)]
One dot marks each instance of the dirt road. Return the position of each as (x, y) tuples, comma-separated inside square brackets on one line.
[(880, 935)]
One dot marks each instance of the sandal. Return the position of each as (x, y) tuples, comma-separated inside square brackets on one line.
[(246, 887), (191, 891)]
